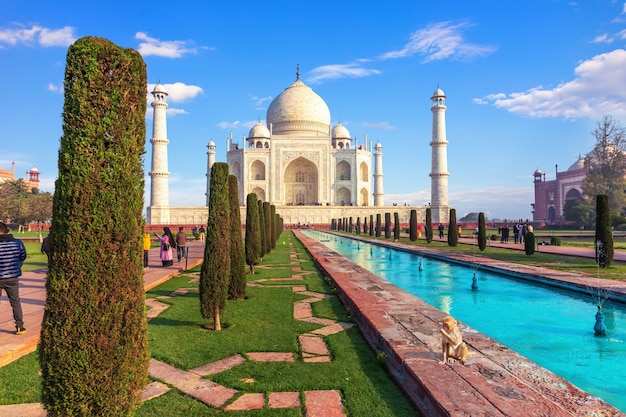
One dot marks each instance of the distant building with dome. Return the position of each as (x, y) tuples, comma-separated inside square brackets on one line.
[(550, 196), (311, 171), (31, 178)]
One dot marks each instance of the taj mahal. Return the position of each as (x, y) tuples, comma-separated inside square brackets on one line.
[(310, 170)]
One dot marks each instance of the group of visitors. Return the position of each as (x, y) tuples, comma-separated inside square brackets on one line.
[(167, 244), (519, 232)]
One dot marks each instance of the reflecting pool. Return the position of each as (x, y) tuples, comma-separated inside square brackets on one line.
[(550, 326)]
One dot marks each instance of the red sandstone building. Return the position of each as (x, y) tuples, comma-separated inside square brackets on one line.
[(31, 179), (550, 196)]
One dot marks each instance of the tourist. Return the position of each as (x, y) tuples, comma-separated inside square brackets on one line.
[(167, 241), (181, 243), (440, 228), (201, 231), (12, 256), (45, 248), (147, 244)]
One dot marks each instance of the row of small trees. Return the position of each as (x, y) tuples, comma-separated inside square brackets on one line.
[(263, 228), (377, 228)]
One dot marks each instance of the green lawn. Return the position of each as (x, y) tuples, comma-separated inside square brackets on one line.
[(262, 322)]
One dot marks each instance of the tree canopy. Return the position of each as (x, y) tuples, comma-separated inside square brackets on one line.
[(605, 165)]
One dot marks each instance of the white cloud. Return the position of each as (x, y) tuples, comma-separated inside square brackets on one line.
[(439, 41), (378, 125), (604, 38), (176, 92), (37, 35), (55, 88), (599, 88), (328, 72), (58, 37), (169, 49), (229, 125), (259, 102)]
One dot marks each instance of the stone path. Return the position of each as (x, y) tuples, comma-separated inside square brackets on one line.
[(323, 403), (326, 403)]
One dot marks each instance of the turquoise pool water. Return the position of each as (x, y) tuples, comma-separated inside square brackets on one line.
[(550, 326)]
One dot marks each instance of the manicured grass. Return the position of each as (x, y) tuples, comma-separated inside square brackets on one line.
[(262, 322)]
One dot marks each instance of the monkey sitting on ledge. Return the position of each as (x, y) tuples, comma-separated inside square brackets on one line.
[(452, 344)]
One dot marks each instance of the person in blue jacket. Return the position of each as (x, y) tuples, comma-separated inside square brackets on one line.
[(12, 256)]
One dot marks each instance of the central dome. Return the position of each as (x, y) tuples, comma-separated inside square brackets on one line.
[(298, 110)]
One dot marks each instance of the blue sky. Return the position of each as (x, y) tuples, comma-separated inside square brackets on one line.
[(526, 82)]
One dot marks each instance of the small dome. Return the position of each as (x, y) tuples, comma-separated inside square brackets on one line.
[(259, 130), (579, 164), (211, 144), (378, 146), (340, 132), (438, 93), (34, 169), (158, 89), (537, 173)]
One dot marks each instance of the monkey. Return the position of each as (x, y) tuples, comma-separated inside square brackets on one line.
[(452, 344)]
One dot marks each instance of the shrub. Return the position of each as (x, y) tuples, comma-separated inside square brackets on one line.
[(529, 243), (413, 226), (253, 232), (453, 238), (429, 225), (555, 241), (482, 232)]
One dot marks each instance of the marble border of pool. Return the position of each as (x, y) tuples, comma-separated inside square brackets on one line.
[(496, 381)]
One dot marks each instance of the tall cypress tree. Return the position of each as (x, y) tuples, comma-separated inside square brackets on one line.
[(93, 351), (378, 226), (371, 225), (482, 232), (262, 238), (237, 281), (413, 226), (365, 225), (429, 225), (453, 234), (268, 226), (215, 271), (253, 232), (387, 225), (396, 226), (274, 237), (604, 235)]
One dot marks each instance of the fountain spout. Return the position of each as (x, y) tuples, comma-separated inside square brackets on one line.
[(599, 327)]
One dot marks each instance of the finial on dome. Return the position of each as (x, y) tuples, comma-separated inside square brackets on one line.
[(297, 72)]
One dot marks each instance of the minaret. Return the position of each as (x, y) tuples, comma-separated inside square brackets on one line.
[(210, 162), (158, 212), (378, 175), (439, 171)]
